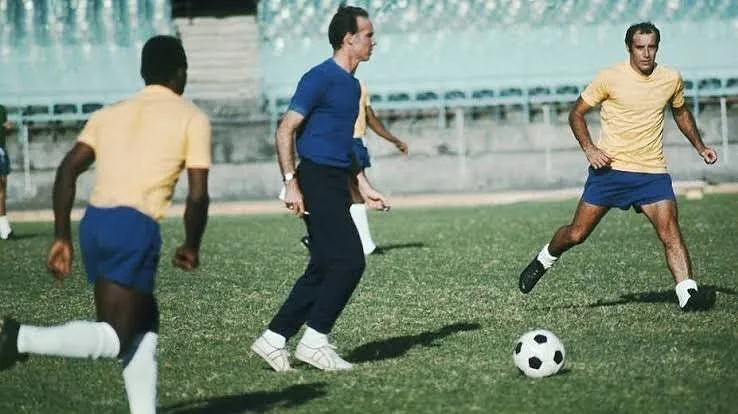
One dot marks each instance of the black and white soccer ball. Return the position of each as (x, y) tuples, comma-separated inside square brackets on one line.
[(539, 353)]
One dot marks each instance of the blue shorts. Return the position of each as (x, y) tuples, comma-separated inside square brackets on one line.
[(4, 161), (120, 244), (624, 189), (361, 153)]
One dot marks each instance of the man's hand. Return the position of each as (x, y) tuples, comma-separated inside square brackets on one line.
[(401, 146), (374, 199), (597, 159), (186, 258), (59, 259), (709, 155), (293, 198)]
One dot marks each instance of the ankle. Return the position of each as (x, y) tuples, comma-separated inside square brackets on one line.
[(313, 338)]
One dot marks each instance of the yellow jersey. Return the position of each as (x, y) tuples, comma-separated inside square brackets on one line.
[(360, 125), (632, 114), (142, 145)]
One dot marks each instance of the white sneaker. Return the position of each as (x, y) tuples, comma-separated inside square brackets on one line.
[(323, 357), (277, 358)]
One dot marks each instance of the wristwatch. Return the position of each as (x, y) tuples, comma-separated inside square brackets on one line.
[(288, 177)]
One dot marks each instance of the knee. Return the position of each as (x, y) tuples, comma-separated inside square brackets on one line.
[(357, 263), (353, 263), (577, 235), (670, 237), (125, 337)]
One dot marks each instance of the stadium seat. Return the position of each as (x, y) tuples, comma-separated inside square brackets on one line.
[(58, 58), (530, 51)]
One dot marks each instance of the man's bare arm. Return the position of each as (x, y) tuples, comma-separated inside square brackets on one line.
[(285, 141), (196, 207), (77, 160), (686, 123), (377, 126), (578, 124)]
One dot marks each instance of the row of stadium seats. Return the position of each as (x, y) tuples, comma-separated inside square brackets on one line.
[(61, 59), (297, 18), (26, 23), (509, 65)]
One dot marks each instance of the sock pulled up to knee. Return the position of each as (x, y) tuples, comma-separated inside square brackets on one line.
[(140, 374), (76, 339), (361, 221)]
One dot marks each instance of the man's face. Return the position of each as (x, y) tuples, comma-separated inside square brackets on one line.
[(362, 42), (643, 52)]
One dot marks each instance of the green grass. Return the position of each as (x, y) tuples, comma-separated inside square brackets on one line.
[(431, 327)]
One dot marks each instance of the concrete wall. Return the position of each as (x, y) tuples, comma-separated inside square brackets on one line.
[(495, 152)]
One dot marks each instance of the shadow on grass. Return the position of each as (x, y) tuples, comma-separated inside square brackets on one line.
[(21, 236), (664, 296), (398, 346), (289, 397), (412, 245)]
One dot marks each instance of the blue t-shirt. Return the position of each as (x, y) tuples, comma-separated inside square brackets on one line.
[(328, 97)]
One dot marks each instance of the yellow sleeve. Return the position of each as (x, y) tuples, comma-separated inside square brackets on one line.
[(596, 92), (89, 132), (198, 153), (368, 99), (677, 100)]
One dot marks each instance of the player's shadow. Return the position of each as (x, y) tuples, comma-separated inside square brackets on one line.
[(21, 236), (261, 401), (398, 346), (412, 245), (663, 296)]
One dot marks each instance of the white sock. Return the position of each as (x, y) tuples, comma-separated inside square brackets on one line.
[(546, 259), (313, 338), (77, 339), (140, 376), (4, 226), (275, 339), (681, 290), (361, 221)]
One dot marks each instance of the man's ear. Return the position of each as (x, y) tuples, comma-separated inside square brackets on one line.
[(348, 38)]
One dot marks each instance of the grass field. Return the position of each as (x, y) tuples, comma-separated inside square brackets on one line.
[(430, 328)]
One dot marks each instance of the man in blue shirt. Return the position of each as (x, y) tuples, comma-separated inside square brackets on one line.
[(321, 116)]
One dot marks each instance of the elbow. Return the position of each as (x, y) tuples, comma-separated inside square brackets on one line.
[(575, 118), (198, 199)]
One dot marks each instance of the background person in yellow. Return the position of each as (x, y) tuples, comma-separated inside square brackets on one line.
[(627, 166), (5, 126), (366, 117), (159, 133)]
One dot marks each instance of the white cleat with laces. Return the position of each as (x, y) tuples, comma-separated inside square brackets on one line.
[(323, 357), (276, 357)]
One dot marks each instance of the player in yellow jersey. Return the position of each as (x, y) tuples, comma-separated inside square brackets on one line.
[(627, 165), (139, 147), (367, 117)]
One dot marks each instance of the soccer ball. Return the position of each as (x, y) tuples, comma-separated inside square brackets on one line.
[(539, 353)]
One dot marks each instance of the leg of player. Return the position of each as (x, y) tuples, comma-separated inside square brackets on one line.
[(126, 329), (361, 220), (5, 230), (586, 218), (135, 317), (664, 217)]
